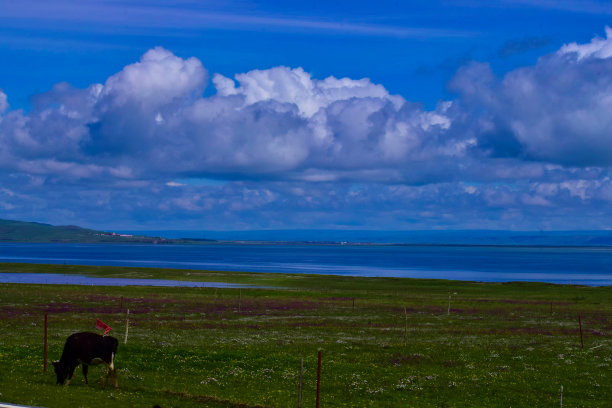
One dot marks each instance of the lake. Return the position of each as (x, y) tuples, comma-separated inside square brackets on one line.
[(576, 265)]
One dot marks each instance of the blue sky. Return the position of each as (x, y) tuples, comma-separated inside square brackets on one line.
[(210, 115)]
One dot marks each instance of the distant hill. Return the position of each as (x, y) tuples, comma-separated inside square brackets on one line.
[(602, 238), (19, 231)]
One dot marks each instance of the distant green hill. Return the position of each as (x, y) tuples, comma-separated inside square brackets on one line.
[(19, 231)]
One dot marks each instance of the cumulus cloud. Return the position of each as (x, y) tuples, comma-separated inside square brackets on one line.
[(158, 79), (152, 118), (557, 111), (336, 150), (297, 87)]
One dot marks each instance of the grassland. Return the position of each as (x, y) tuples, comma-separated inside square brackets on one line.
[(385, 342)]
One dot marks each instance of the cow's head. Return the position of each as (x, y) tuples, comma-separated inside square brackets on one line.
[(60, 372)]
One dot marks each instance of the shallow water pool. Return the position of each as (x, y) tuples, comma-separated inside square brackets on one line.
[(61, 279)]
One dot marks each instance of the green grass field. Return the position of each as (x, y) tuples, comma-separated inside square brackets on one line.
[(385, 342)]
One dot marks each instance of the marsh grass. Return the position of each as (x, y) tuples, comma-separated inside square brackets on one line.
[(188, 347)]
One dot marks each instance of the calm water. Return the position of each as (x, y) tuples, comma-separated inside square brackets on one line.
[(586, 266), (60, 279)]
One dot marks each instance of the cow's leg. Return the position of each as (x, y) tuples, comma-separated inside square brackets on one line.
[(85, 367), (70, 374), (111, 372)]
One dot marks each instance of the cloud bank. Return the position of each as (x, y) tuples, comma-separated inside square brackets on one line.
[(278, 148)]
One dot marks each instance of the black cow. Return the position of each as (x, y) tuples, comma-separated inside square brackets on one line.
[(87, 349)]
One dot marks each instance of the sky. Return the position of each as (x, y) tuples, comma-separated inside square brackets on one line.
[(251, 115)]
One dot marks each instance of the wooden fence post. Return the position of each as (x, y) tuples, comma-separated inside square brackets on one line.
[(318, 379), (300, 389), (45, 348), (127, 325), (406, 327), (580, 325)]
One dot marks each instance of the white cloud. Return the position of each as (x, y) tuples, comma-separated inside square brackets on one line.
[(557, 111), (159, 78), (151, 120), (3, 102), (286, 85), (280, 139), (597, 48)]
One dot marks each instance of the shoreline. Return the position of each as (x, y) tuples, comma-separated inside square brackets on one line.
[(177, 277), (316, 243)]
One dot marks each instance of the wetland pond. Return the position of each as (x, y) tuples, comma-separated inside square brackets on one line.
[(61, 279)]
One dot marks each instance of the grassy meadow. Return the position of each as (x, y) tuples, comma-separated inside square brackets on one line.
[(385, 342)]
